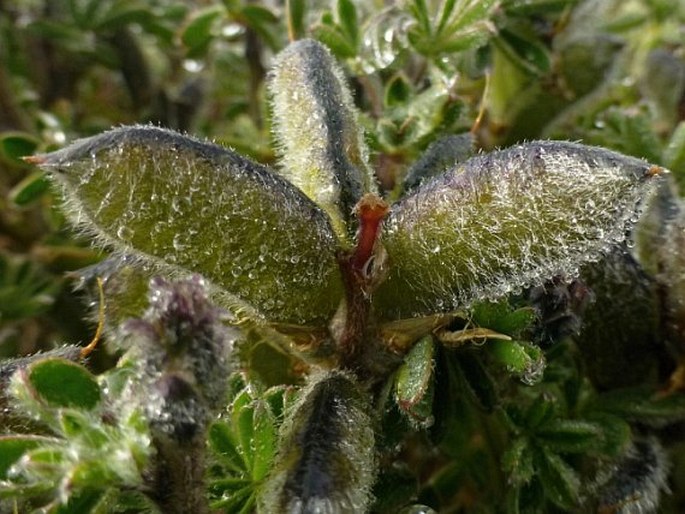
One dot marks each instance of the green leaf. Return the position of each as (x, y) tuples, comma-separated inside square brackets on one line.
[(333, 38), (61, 383), (559, 480), (264, 440), (397, 91), (81, 500), (616, 433), (15, 145), (124, 13), (261, 20), (267, 245), (500, 317), (347, 16), (198, 33), (533, 7), (223, 441), (259, 14), (462, 24), (519, 357), (414, 383), (541, 410), (506, 220), (30, 189), (517, 462), (642, 404), (633, 132), (296, 10), (464, 14), (525, 51), (243, 419), (25, 288), (84, 13), (570, 435), (12, 447), (419, 8), (322, 149)]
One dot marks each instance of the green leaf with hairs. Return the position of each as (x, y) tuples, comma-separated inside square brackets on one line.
[(415, 383), (12, 447), (61, 383)]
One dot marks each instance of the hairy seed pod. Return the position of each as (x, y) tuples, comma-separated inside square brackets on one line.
[(507, 220), (185, 205), (322, 149), (637, 482), (442, 155), (326, 461)]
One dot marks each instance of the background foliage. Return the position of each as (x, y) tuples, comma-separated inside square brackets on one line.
[(605, 72)]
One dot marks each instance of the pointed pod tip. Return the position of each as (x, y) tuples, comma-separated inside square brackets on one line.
[(371, 206), (655, 170), (35, 159)]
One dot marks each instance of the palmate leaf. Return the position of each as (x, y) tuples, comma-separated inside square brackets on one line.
[(506, 220), (185, 205)]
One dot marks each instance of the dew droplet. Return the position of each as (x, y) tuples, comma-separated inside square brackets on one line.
[(179, 243), (124, 232)]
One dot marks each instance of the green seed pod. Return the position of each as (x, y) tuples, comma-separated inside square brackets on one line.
[(189, 206), (507, 220), (620, 339), (326, 458), (322, 149)]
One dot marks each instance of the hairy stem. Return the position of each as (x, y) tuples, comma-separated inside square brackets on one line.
[(177, 483)]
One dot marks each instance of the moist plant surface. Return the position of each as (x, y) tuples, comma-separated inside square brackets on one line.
[(385, 315)]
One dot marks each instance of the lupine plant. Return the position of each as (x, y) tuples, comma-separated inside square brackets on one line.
[(298, 338)]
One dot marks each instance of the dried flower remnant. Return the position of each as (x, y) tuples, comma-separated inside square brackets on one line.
[(183, 349)]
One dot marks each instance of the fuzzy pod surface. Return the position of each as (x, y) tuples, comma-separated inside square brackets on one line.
[(321, 145), (184, 204), (506, 220)]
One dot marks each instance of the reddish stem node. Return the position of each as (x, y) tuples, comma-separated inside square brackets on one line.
[(371, 210)]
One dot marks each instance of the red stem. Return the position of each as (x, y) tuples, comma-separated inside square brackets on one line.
[(371, 210)]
